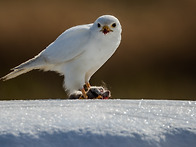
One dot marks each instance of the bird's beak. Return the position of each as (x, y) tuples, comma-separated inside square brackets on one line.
[(106, 29)]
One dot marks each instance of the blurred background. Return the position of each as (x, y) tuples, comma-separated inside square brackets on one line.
[(156, 58)]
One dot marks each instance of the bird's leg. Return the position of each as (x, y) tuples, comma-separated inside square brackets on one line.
[(88, 85), (86, 88), (99, 97), (83, 96)]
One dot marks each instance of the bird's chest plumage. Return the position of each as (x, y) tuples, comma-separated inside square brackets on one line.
[(100, 51), (97, 53)]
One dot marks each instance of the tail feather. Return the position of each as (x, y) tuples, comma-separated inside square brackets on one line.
[(34, 63), (15, 73)]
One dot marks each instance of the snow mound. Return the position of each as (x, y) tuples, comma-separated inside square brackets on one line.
[(97, 123)]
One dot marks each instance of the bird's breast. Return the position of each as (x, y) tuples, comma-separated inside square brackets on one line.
[(96, 53)]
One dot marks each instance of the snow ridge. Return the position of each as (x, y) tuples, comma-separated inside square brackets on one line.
[(97, 123)]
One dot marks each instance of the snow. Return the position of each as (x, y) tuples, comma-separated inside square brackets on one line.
[(97, 123)]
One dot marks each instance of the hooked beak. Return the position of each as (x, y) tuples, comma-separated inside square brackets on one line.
[(106, 29)]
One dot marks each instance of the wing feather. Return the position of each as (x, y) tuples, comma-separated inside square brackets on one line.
[(68, 45)]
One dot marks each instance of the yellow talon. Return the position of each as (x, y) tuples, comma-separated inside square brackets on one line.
[(81, 97), (99, 97)]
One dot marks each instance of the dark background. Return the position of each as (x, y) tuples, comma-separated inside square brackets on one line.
[(156, 58)]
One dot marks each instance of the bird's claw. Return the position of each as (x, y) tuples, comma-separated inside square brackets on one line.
[(99, 97), (92, 93), (82, 97)]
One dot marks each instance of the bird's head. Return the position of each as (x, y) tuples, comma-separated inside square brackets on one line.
[(107, 24)]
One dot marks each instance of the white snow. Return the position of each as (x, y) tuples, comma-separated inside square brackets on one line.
[(97, 123)]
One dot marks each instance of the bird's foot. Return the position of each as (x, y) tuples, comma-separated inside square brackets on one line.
[(93, 93), (99, 97), (84, 95)]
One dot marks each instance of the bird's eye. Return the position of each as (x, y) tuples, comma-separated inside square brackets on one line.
[(114, 25), (98, 25)]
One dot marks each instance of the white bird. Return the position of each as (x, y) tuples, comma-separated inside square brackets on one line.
[(77, 53)]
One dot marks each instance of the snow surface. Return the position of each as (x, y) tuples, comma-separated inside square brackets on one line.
[(97, 123)]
